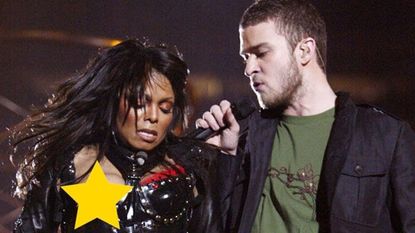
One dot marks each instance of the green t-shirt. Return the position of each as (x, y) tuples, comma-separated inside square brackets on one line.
[(287, 202)]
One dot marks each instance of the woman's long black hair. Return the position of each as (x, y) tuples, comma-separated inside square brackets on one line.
[(84, 108), (83, 112)]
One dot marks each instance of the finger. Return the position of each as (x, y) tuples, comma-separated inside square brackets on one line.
[(231, 121), (218, 114), (224, 105), (229, 118), (211, 120), (200, 123)]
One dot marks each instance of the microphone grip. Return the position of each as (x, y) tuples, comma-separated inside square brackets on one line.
[(203, 134)]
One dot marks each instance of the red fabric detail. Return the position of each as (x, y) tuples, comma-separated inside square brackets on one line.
[(162, 175)]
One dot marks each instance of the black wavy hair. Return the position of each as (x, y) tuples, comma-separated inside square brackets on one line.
[(84, 108)]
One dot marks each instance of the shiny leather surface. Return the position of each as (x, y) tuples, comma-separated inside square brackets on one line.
[(159, 206), (163, 204)]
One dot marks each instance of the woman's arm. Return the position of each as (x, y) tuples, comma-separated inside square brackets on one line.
[(41, 208)]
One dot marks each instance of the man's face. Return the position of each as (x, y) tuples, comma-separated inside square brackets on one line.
[(270, 65)]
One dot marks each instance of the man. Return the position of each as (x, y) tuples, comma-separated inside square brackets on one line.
[(312, 160)]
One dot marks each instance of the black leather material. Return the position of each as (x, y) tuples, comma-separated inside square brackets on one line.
[(161, 205), (367, 182)]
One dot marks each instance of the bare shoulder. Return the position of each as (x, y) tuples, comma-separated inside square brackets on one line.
[(84, 159)]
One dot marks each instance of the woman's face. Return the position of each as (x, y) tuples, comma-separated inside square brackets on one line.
[(153, 115)]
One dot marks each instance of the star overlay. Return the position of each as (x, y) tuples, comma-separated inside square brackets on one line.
[(97, 198)]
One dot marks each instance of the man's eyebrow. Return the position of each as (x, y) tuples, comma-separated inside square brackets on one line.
[(253, 48)]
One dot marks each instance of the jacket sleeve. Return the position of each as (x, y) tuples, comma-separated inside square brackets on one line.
[(232, 184), (41, 208), (403, 180)]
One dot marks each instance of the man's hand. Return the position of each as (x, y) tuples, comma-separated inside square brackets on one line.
[(221, 116)]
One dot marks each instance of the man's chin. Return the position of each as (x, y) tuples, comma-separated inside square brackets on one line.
[(263, 102), (274, 103)]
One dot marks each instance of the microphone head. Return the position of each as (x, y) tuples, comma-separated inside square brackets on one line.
[(243, 108), (140, 157)]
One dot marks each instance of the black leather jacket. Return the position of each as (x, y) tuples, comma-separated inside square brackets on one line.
[(367, 183), (161, 205)]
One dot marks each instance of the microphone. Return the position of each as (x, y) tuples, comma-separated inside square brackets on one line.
[(241, 110), (140, 157)]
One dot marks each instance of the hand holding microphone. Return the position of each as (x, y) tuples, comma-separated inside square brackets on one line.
[(220, 127)]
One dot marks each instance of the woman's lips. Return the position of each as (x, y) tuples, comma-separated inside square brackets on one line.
[(147, 135)]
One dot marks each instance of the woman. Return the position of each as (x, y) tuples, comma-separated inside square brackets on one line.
[(121, 111)]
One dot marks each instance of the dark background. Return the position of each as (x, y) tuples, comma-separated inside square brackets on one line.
[(371, 52)]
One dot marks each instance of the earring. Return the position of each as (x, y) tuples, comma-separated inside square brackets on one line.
[(114, 137)]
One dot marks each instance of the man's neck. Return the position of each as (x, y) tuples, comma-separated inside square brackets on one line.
[(313, 97)]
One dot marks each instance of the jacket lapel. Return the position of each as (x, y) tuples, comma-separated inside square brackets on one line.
[(260, 141), (335, 157)]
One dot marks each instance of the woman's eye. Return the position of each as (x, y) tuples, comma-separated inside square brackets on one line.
[(165, 110), (166, 107)]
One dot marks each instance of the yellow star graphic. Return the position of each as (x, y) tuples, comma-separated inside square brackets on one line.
[(97, 198)]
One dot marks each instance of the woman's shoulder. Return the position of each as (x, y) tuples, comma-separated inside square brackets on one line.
[(84, 159), (86, 155)]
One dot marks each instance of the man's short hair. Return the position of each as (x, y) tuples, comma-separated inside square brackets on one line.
[(295, 19)]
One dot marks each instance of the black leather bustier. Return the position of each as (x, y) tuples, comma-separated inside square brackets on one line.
[(160, 203), (159, 206)]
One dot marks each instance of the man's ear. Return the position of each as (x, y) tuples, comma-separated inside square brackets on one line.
[(306, 50)]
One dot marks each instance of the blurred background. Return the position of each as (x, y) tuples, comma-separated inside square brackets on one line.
[(371, 53)]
